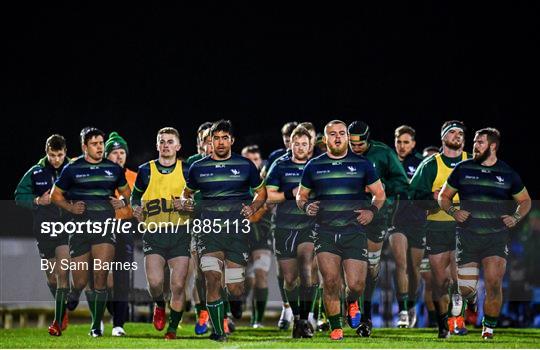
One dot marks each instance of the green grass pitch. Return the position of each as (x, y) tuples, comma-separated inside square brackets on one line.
[(144, 336)]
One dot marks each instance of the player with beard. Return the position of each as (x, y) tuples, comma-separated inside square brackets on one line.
[(441, 227), (232, 191), (396, 185), (86, 189), (489, 190), (339, 180), (292, 235)]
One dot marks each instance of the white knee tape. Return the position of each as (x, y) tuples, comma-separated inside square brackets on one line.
[(374, 258), (263, 263), (468, 271), (210, 263), (468, 277), (234, 275)]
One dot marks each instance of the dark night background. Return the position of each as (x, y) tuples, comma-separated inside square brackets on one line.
[(135, 70)]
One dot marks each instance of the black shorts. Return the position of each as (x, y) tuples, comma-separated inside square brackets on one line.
[(347, 246), (473, 247), (169, 245), (47, 245), (286, 242), (260, 236), (416, 236)]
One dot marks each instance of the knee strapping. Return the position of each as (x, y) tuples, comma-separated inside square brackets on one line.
[(374, 259), (263, 263), (211, 263), (468, 281), (234, 275)]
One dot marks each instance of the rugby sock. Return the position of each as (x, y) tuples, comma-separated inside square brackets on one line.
[(281, 282), (198, 308), (366, 311), (352, 296), (60, 304), (336, 322), (306, 297), (260, 295), (100, 297), (432, 317), (292, 297), (52, 288), (371, 284), (174, 319), (201, 289), (110, 305), (91, 298), (411, 303), (160, 301), (402, 301), (442, 318), (490, 321), (216, 309)]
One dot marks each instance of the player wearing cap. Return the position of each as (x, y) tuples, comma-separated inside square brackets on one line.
[(441, 227), (396, 184), (489, 190)]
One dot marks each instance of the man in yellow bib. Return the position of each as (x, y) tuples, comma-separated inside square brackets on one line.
[(441, 227), (157, 189)]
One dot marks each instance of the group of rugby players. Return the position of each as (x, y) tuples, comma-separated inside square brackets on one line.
[(325, 206)]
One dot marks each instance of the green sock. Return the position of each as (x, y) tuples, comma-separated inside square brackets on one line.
[(225, 298), (315, 301), (52, 289), (292, 297), (402, 299), (91, 298), (174, 320), (282, 289), (490, 321), (60, 304), (216, 310), (100, 297), (261, 298), (335, 322)]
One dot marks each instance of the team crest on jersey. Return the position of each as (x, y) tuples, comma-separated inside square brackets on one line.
[(352, 170), (235, 172), (500, 179), (412, 170), (109, 173)]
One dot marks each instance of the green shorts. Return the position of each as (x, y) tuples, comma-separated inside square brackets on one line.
[(347, 246), (260, 236), (473, 247), (47, 245), (377, 230), (440, 237), (235, 246), (416, 237), (286, 242), (168, 245)]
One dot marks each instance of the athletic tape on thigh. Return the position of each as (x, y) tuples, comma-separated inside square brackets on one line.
[(210, 263), (263, 263), (234, 274), (374, 258), (468, 272)]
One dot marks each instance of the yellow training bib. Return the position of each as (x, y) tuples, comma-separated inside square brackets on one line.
[(443, 172), (157, 199)]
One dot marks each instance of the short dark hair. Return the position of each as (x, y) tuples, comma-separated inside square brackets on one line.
[(300, 130), (204, 126), (251, 149), (222, 125), (405, 129), (168, 130), (308, 125), (88, 132), (288, 128), (493, 136), (55, 142)]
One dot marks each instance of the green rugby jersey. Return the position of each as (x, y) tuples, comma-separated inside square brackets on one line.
[(339, 184), (487, 193), (388, 168), (92, 183)]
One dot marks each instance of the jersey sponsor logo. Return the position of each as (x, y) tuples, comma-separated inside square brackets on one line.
[(206, 174), (322, 172), (470, 177), (292, 174), (42, 183), (220, 166), (80, 176), (38, 171), (337, 163)]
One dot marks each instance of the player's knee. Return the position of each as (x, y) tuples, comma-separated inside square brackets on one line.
[(236, 289), (374, 259), (358, 287), (468, 281), (333, 285), (235, 275), (211, 263), (177, 287)]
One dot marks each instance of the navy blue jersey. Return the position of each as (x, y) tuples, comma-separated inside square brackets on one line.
[(275, 155), (224, 185), (411, 163), (486, 192), (340, 186), (92, 184), (407, 214), (285, 175)]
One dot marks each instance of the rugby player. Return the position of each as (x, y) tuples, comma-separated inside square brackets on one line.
[(408, 246), (396, 184), (286, 131), (292, 235), (201, 143), (86, 189), (339, 180), (441, 227), (260, 244), (232, 191), (33, 192), (489, 190), (119, 281), (155, 199)]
